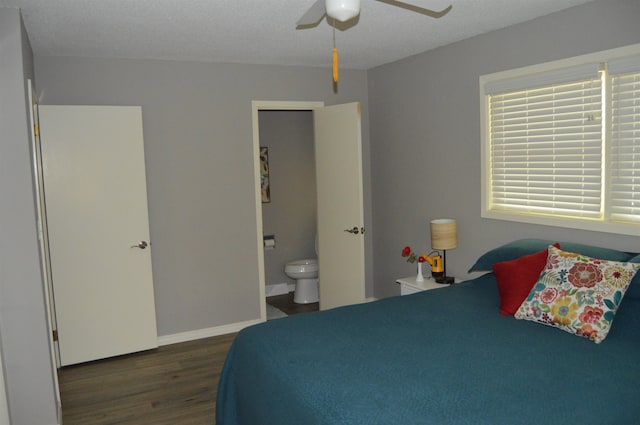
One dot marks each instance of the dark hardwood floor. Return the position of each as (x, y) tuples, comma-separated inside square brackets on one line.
[(286, 304), (171, 385)]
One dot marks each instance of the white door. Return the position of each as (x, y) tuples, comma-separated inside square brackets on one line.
[(45, 261), (338, 151), (96, 204)]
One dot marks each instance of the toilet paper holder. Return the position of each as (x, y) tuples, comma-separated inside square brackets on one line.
[(269, 241)]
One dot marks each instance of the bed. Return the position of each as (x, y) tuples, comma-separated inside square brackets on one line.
[(444, 356)]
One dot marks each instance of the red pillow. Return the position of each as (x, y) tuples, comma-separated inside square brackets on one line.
[(516, 278)]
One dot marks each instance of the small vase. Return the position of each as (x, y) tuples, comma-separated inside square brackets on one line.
[(420, 278)]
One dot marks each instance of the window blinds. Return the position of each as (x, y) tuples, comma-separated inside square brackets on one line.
[(546, 149), (561, 142), (625, 147)]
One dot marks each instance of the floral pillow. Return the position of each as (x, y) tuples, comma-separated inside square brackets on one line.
[(578, 294)]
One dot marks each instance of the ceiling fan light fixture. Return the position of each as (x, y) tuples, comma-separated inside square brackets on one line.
[(342, 10)]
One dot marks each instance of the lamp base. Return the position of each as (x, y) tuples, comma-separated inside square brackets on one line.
[(449, 280)]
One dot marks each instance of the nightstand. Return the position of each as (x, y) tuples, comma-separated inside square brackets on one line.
[(408, 285)]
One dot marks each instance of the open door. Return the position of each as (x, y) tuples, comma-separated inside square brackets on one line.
[(43, 240), (338, 150)]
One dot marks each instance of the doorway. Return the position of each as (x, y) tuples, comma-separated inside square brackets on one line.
[(289, 202), (258, 106)]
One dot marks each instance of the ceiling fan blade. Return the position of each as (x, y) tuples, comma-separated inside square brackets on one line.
[(313, 16), (431, 13)]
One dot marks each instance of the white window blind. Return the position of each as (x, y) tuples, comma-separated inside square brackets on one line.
[(625, 147), (561, 142), (546, 149)]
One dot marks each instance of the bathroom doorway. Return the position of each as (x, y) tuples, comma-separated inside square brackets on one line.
[(257, 108), (289, 207)]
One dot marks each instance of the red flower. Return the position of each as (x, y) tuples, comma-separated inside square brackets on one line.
[(591, 315), (548, 295), (411, 256), (584, 275), (588, 331)]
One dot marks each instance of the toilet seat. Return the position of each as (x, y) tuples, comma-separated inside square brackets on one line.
[(304, 268)]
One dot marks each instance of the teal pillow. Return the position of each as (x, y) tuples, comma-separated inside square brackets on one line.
[(518, 248), (508, 252), (634, 287), (596, 252)]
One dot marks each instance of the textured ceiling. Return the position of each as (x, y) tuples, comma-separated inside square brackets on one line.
[(259, 31)]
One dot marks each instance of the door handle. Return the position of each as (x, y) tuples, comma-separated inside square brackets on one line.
[(141, 245), (354, 231)]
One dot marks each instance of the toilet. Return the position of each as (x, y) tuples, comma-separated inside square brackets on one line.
[(305, 272)]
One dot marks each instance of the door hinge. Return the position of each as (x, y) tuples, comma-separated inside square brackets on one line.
[(55, 335), (36, 130)]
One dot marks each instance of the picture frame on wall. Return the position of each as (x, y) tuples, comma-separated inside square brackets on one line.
[(265, 189)]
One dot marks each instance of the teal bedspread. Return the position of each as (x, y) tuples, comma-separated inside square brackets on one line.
[(437, 357)]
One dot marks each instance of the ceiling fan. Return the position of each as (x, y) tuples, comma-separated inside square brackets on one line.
[(344, 10)]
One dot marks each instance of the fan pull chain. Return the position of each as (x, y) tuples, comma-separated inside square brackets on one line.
[(335, 55)]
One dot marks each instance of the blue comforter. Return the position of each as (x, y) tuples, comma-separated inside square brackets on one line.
[(444, 356)]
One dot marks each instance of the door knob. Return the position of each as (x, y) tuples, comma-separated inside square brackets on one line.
[(354, 231), (141, 245)]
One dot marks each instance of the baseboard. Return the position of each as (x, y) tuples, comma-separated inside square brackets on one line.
[(214, 331), (205, 333), (276, 289)]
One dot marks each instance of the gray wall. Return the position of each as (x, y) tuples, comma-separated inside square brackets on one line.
[(25, 344), (198, 147), (425, 135), (291, 214)]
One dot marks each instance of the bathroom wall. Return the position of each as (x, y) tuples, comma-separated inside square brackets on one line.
[(291, 214)]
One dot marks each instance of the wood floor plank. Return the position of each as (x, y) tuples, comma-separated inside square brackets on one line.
[(174, 384), (285, 303)]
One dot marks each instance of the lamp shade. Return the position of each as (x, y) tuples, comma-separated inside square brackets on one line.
[(444, 233), (342, 10)]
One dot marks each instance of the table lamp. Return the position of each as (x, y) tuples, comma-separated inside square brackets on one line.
[(444, 235)]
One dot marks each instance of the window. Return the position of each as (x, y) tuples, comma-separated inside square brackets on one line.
[(625, 147), (561, 143)]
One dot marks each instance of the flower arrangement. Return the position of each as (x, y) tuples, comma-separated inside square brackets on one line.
[(411, 256)]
